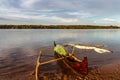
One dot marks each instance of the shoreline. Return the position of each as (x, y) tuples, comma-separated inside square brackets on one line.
[(58, 27), (24, 67), (105, 73)]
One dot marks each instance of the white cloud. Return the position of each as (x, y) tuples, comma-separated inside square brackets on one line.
[(38, 18), (28, 3), (68, 20), (8, 10), (80, 14), (109, 19)]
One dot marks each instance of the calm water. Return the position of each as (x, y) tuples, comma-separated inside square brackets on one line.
[(18, 46), (17, 38)]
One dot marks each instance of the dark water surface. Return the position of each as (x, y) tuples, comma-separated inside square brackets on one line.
[(19, 48)]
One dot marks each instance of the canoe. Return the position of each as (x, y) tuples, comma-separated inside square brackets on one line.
[(71, 63)]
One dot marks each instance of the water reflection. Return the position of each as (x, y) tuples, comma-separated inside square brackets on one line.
[(18, 45)]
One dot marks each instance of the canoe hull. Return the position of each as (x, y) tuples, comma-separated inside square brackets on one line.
[(69, 65)]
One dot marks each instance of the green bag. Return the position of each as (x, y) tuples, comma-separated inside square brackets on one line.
[(60, 50)]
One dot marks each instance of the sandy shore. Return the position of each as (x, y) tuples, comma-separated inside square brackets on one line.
[(104, 73)]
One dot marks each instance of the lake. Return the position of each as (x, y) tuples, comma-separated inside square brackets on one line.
[(19, 48)]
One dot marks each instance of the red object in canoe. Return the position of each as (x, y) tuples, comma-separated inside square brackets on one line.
[(80, 67)]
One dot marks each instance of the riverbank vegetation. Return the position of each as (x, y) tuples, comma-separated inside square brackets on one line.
[(57, 27)]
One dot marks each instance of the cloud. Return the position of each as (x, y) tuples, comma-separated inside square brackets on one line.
[(109, 20), (81, 14), (38, 19), (60, 11), (28, 3), (64, 20), (102, 7)]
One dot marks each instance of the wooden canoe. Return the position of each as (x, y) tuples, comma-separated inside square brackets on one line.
[(72, 63)]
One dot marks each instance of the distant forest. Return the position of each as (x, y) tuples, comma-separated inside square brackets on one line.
[(56, 27)]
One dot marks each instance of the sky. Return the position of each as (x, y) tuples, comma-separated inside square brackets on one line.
[(60, 12)]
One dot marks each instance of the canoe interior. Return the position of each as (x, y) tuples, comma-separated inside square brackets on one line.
[(79, 67)]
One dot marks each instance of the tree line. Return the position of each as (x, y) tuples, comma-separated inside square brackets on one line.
[(57, 27)]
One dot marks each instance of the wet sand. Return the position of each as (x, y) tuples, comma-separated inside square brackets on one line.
[(19, 64)]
